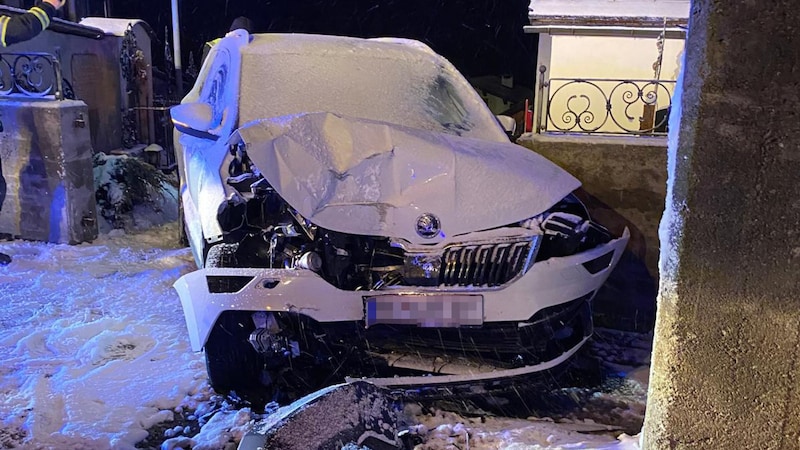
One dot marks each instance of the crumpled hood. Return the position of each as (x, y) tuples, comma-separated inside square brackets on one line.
[(373, 178)]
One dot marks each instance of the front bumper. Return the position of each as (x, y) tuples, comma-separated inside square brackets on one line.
[(547, 283)]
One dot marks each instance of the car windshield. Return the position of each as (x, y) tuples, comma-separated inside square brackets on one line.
[(373, 79)]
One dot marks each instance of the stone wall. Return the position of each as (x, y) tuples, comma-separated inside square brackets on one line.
[(624, 182), (46, 158), (624, 185)]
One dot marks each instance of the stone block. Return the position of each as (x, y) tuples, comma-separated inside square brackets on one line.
[(357, 414), (46, 159)]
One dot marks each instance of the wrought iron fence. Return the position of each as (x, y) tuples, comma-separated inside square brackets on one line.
[(165, 159), (32, 75), (609, 106)]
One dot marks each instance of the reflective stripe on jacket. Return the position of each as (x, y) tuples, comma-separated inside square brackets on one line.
[(25, 26)]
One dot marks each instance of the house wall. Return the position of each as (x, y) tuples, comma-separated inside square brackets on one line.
[(613, 8), (612, 57), (609, 57)]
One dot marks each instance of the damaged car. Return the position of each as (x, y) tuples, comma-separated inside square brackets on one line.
[(356, 210)]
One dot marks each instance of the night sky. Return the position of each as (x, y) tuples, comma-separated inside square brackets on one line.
[(480, 37)]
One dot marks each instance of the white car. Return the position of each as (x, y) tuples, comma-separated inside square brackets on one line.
[(354, 207)]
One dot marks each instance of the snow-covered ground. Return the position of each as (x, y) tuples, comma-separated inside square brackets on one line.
[(94, 354), (93, 348)]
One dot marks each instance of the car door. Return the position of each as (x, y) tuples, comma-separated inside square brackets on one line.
[(202, 153)]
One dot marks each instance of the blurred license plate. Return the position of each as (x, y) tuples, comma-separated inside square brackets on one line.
[(425, 310)]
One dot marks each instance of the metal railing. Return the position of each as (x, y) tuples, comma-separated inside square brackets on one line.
[(165, 160), (31, 75), (604, 106)]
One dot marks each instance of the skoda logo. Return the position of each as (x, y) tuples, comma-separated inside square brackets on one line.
[(428, 225)]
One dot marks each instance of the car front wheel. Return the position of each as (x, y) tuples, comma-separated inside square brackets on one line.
[(231, 362)]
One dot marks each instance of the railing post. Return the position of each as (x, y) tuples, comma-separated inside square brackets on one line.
[(543, 83), (59, 93)]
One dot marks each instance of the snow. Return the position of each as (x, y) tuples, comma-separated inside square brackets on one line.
[(612, 8), (94, 354), (449, 430), (577, 138), (670, 231), (112, 27), (92, 346), (224, 427)]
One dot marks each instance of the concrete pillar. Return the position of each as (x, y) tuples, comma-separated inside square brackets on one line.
[(46, 162), (725, 363)]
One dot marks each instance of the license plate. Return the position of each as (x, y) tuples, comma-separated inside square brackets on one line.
[(437, 310)]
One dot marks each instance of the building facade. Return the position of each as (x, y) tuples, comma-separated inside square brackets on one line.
[(606, 66)]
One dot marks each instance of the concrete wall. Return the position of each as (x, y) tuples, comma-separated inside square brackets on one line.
[(624, 185), (725, 370), (46, 158), (625, 179), (88, 66)]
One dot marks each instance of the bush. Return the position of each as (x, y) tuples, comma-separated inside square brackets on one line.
[(132, 194)]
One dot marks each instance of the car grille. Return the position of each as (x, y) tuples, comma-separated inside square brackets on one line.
[(486, 264)]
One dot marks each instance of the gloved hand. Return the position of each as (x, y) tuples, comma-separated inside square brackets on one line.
[(57, 4)]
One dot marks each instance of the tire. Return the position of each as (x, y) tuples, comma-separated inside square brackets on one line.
[(222, 255), (231, 362), (183, 236)]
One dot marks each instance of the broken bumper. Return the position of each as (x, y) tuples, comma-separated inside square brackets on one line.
[(206, 293)]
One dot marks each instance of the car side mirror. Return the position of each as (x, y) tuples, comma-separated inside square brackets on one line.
[(508, 123), (194, 119)]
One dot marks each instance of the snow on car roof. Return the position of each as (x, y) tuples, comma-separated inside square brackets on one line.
[(275, 43), (392, 80)]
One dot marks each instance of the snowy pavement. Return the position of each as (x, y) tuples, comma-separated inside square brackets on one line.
[(94, 352)]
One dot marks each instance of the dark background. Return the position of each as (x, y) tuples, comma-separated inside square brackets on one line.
[(480, 37)]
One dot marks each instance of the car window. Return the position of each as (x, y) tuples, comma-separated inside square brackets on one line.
[(447, 107), (385, 82)]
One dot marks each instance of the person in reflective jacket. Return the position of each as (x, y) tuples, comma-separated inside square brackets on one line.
[(20, 28)]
